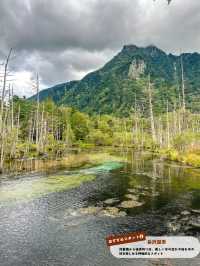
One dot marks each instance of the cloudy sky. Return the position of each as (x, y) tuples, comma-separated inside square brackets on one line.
[(65, 39)]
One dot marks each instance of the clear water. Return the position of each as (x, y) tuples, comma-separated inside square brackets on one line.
[(38, 231)]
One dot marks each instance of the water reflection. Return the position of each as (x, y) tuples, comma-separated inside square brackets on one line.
[(163, 181), (40, 232)]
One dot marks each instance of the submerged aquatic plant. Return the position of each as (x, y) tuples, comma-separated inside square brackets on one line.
[(28, 189), (105, 167), (33, 188)]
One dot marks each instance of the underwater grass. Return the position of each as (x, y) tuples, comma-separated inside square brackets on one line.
[(71, 161), (29, 189), (105, 167), (84, 168), (33, 188), (89, 159)]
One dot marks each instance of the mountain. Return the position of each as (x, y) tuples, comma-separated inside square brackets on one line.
[(122, 82)]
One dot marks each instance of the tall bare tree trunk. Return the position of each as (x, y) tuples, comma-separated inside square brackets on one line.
[(168, 133), (153, 132), (37, 111), (3, 117), (12, 109), (5, 81), (183, 85)]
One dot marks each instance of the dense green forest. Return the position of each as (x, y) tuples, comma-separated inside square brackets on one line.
[(44, 129), (113, 88), (140, 99)]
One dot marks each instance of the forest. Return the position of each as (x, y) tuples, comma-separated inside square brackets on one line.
[(158, 118), (35, 129)]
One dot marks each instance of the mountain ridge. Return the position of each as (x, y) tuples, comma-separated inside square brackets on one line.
[(114, 87)]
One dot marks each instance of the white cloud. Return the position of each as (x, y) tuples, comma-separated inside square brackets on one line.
[(63, 42), (23, 84)]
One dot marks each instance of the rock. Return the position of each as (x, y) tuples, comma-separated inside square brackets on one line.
[(74, 213), (139, 187), (173, 226), (53, 219), (111, 201), (71, 212), (195, 225), (110, 211), (76, 222), (136, 68), (185, 219), (195, 211), (144, 193), (175, 217), (154, 194), (186, 228), (133, 190), (185, 213), (72, 223), (90, 210), (122, 213), (130, 196), (130, 204), (150, 194)]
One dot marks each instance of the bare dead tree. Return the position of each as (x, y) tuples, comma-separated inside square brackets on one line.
[(3, 113), (182, 85), (168, 128), (153, 132), (3, 92), (38, 106)]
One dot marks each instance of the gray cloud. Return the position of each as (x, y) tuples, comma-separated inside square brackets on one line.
[(65, 39), (86, 24)]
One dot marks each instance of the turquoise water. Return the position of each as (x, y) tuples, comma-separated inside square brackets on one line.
[(49, 229)]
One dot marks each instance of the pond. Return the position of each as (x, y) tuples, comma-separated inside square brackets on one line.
[(61, 216)]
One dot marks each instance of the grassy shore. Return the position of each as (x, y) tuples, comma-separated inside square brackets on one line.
[(190, 157)]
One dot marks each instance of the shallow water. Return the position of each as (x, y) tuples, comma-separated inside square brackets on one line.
[(48, 229)]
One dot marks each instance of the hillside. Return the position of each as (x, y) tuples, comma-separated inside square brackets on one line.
[(114, 87)]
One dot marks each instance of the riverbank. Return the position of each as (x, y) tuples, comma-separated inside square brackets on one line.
[(89, 156), (74, 159), (63, 222), (190, 158)]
